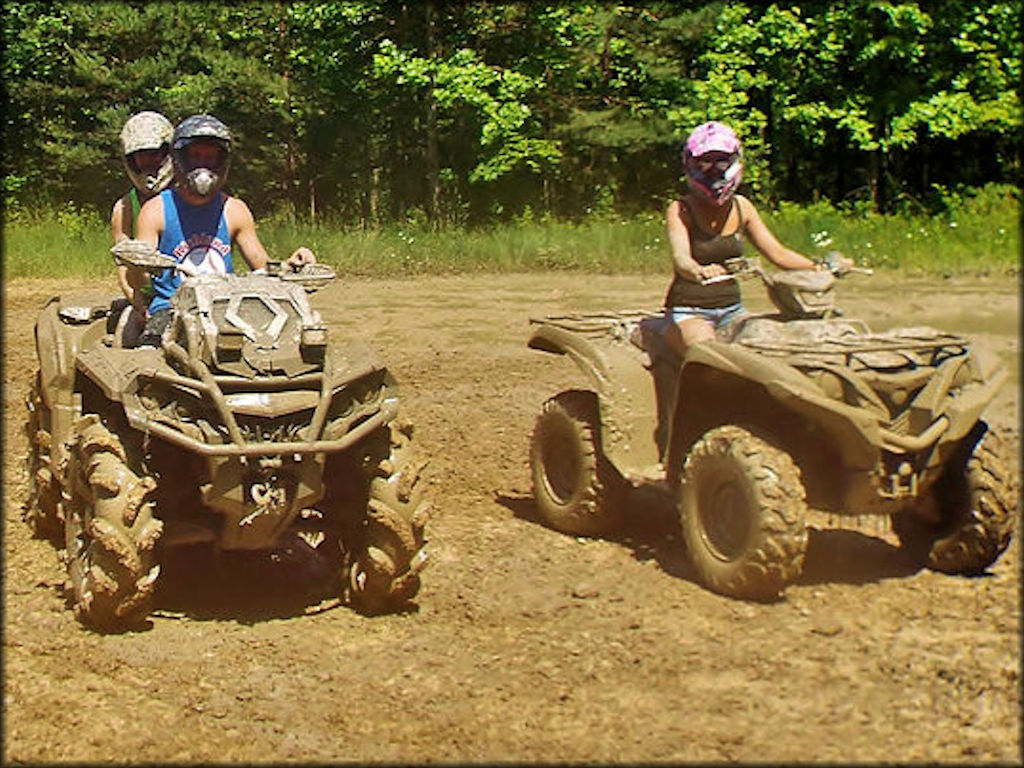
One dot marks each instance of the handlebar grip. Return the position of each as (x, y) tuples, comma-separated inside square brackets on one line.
[(716, 279)]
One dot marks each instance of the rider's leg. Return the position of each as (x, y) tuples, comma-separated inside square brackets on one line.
[(685, 333), (154, 328)]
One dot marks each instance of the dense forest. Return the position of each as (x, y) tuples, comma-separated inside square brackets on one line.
[(460, 113)]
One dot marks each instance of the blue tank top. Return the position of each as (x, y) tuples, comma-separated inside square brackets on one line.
[(197, 233)]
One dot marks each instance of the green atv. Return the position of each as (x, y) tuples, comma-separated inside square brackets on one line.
[(249, 426), (800, 408)]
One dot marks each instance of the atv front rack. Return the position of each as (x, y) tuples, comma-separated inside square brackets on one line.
[(845, 346), (597, 323)]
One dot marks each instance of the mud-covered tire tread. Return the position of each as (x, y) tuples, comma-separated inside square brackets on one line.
[(42, 508), (773, 554), (592, 507), (111, 532), (977, 498), (383, 576)]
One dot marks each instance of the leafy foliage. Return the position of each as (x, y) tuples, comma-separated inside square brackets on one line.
[(382, 111)]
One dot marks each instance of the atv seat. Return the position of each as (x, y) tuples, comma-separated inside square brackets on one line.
[(78, 310)]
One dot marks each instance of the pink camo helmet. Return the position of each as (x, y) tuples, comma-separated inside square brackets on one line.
[(720, 179)]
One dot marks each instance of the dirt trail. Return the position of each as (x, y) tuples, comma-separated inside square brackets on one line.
[(527, 645)]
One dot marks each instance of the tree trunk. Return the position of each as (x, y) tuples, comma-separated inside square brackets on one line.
[(374, 197), (433, 167), (289, 185)]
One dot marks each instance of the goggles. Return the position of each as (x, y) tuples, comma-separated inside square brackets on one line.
[(712, 164)]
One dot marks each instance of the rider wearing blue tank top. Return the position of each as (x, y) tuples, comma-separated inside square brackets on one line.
[(197, 234), (196, 221)]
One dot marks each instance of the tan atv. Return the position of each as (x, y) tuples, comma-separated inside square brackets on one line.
[(248, 426), (802, 407)]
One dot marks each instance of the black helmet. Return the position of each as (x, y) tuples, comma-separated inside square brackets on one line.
[(202, 180)]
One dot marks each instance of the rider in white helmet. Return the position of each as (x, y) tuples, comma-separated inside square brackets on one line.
[(146, 149)]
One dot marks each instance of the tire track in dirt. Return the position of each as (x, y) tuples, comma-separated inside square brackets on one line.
[(528, 645)]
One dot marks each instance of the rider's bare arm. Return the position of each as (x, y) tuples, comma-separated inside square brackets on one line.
[(119, 232), (765, 242), (148, 228), (150, 225), (118, 225), (679, 239), (242, 229)]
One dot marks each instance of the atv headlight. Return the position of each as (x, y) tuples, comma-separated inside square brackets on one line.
[(313, 342), (229, 343)]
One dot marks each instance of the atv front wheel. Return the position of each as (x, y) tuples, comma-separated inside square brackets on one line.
[(42, 509), (574, 485), (743, 514), (110, 533), (383, 570), (977, 505)]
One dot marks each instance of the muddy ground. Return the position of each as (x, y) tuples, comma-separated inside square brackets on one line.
[(526, 644)]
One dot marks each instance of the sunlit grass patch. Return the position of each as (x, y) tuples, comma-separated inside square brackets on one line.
[(980, 235)]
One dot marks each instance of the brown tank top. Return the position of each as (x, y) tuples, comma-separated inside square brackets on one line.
[(707, 248)]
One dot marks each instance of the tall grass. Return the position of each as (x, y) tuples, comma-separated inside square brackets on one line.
[(981, 234), (68, 242), (978, 234)]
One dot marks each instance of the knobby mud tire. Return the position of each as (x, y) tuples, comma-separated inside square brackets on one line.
[(42, 511), (575, 487), (385, 566), (977, 498), (111, 534), (743, 514)]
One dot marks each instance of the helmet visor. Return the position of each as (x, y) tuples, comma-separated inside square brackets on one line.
[(716, 174), (148, 161), (715, 163), (204, 153)]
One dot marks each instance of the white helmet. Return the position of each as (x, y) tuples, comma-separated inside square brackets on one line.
[(147, 131)]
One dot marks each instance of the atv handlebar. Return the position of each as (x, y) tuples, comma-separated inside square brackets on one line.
[(141, 255), (840, 265), (744, 267), (309, 276)]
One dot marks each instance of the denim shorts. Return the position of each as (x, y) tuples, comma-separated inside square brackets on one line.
[(719, 317)]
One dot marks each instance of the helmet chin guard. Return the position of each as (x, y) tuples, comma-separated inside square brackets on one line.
[(202, 181)]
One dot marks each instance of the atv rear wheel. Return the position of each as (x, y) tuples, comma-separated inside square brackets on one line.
[(111, 533), (42, 510), (576, 488), (383, 569), (977, 503), (743, 514)]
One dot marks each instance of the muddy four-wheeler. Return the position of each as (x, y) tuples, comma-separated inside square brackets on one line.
[(247, 426), (801, 408)]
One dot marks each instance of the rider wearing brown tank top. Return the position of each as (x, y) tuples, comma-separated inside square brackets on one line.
[(707, 248)]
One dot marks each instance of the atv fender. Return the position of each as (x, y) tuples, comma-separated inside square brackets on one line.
[(63, 328), (988, 374), (732, 374), (620, 374)]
